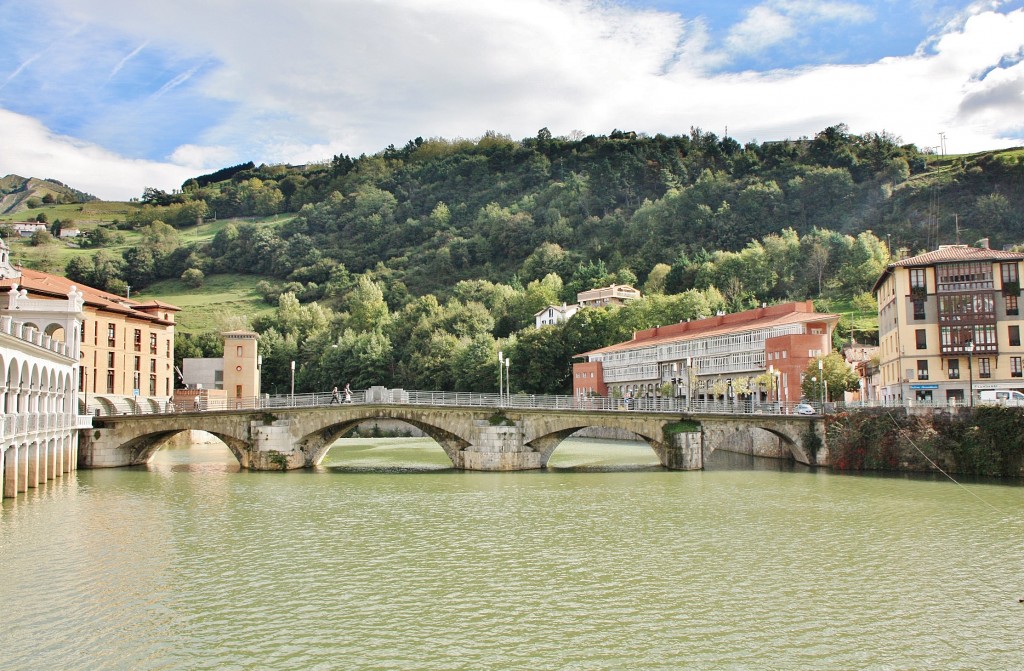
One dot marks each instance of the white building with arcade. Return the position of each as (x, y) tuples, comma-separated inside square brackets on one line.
[(39, 353)]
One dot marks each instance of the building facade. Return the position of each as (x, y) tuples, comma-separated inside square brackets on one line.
[(39, 347), (555, 314), (616, 294), (126, 347), (756, 355), (949, 325), (231, 381)]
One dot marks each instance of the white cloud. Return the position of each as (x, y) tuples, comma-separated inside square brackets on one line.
[(304, 80), (777, 21), (30, 150), (762, 27)]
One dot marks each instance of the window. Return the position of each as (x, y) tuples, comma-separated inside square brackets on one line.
[(138, 363), (1011, 305), (138, 340), (83, 331), (81, 378), (110, 359), (111, 335), (954, 369), (919, 310), (1015, 336), (152, 365), (238, 351), (152, 385), (1015, 366), (922, 339), (110, 382), (1008, 272), (984, 369), (964, 276), (917, 280), (152, 343), (922, 369), (238, 391)]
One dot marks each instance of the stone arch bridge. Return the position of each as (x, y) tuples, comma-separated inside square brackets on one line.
[(485, 439)]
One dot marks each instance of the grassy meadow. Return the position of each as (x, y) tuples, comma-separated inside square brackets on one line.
[(223, 302)]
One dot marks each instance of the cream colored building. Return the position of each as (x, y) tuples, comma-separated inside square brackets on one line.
[(241, 367), (127, 347), (949, 324), (616, 294), (232, 381)]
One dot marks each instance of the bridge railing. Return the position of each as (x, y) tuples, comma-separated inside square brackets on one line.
[(379, 395)]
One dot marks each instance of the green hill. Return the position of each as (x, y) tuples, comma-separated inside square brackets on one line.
[(18, 194)]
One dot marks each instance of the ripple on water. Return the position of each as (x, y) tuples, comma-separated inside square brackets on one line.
[(608, 565)]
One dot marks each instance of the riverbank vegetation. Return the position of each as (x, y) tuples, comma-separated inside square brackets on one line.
[(980, 441)]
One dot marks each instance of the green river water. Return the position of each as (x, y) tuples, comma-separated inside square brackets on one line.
[(385, 558)]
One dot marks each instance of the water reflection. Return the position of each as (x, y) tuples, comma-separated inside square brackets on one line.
[(423, 455), (720, 460), (604, 561)]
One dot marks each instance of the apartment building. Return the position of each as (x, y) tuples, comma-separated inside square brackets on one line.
[(721, 357), (616, 294), (126, 354), (949, 325)]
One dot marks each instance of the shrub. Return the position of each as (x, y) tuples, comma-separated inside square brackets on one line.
[(193, 278)]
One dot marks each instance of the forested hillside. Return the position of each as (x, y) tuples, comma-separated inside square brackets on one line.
[(424, 260), (19, 193)]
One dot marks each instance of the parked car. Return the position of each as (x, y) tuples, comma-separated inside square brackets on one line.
[(1002, 397), (804, 409)]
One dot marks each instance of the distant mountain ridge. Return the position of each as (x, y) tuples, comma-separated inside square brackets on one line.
[(15, 191)]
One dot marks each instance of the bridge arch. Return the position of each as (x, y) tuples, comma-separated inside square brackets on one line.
[(141, 448), (742, 435), (315, 444), (548, 443)]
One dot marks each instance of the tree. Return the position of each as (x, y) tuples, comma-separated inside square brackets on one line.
[(367, 310), (838, 377), (193, 278), (540, 362), (40, 237), (161, 238), (656, 279), (139, 266)]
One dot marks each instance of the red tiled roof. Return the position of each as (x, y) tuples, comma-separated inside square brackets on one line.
[(948, 254), (41, 284), (789, 313), (953, 253)]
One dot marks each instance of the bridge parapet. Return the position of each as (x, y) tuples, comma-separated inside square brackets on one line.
[(474, 438)]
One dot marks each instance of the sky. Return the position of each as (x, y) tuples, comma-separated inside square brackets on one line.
[(113, 96)]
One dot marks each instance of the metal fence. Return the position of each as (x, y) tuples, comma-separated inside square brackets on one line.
[(379, 395)]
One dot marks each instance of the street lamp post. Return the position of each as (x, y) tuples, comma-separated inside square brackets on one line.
[(689, 383), (508, 381), (824, 385), (293, 383), (501, 383), (969, 348)]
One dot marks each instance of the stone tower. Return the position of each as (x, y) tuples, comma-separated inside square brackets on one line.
[(241, 368)]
